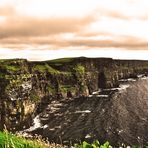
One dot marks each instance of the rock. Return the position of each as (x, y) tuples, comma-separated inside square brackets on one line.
[(27, 87)]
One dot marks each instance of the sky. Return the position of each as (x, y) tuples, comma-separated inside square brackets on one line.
[(50, 29)]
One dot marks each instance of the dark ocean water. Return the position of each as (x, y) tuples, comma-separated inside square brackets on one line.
[(119, 115)]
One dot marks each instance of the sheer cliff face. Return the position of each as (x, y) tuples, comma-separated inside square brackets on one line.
[(26, 87), (131, 108)]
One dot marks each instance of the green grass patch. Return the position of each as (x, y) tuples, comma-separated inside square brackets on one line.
[(66, 88), (12, 68), (79, 69), (45, 68), (8, 140), (95, 144), (12, 65), (62, 60)]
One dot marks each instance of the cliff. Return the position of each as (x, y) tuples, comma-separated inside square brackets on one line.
[(26, 87)]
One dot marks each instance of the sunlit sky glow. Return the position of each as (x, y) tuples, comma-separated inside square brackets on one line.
[(49, 29)]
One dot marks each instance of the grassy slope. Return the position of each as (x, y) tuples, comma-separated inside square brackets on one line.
[(62, 60)]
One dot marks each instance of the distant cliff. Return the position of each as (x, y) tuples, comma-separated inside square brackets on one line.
[(26, 87)]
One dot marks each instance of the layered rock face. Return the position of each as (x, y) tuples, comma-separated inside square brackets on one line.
[(27, 87)]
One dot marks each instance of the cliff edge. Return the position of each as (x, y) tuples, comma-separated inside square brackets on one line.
[(26, 87)]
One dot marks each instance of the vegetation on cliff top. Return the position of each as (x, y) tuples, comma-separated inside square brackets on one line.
[(44, 68), (12, 65), (62, 60)]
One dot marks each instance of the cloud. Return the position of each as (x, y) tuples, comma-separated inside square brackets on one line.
[(124, 42), (129, 44), (7, 10), (112, 14), (104, 26), (16, 26)]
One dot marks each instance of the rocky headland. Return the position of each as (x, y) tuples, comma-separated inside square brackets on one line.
[(26, 88)]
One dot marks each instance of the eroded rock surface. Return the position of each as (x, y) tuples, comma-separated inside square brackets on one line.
[(27, 88)]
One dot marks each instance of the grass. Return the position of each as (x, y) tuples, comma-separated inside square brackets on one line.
[(45, 68), (11, 65), (8, 140), (95, 144), (62, 60), (66, 88), (80, 69), (12, 68)]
